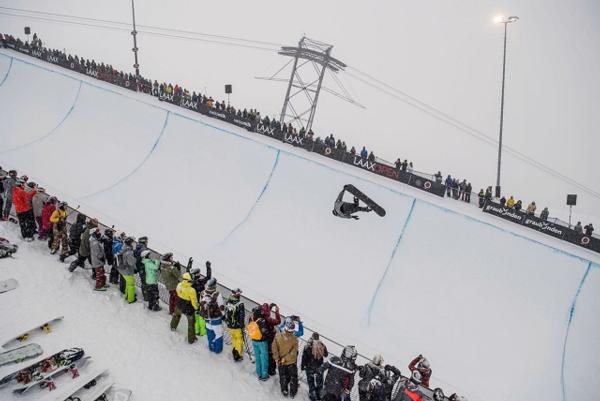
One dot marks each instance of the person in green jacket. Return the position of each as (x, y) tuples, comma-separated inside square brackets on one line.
[(170, 273), (151, 267)]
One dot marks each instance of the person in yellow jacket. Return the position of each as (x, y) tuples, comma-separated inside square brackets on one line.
[(59, 230), (285, 353), (510, 203), (187, 303)]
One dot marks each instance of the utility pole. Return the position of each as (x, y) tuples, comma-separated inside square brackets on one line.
[(504, 21), (135, 48)]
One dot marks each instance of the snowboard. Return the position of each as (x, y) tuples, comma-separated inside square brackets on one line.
[(368, 201), (119, 394), (25, 375), (20, 354), (6, 248), (8, 285), (46, 380), (91, 387), (45, 327)]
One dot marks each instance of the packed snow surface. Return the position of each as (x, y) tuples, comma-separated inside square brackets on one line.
[(498, 310)]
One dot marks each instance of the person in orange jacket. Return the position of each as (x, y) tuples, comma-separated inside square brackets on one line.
[(22, 203)]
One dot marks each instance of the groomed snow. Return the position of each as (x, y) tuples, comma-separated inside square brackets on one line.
[(498, 309)]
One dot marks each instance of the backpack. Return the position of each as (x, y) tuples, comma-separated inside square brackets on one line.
[(231, 314), (254, 331)]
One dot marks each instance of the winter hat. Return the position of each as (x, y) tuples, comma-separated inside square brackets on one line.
[(289, 325), (129, 240), (109, 232), (424, 363), (62, 205), (186, 277), (236, 292), (143, 240), (378, 360), (167, 256), (145, 254), (315, 336), (212, 283)]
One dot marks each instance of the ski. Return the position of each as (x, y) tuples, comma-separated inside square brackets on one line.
[(45, 327), (20, 354), (368, 201), (8, 285), (27, 374), (247, 347)]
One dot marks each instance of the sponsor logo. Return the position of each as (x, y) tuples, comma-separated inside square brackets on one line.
[(11, 45), (363, 163), (23, 50), (217, 114), (72, 66), (328, 151), (544, 226), (188, 104), (266, 130), (585, 241), (388, 171), (294, 139), (503, 212), (91, 72), (242, 123), (36, 53), (165, 96), (52, 59)]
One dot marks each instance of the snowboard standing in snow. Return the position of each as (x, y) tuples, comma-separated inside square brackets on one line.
[(6, 248), (368, 201), (45, 327), (119, 394), (20, 354), (26, 375), (7, 285), (91, 387), (46, 380)]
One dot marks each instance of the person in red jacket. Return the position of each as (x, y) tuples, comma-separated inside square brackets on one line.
[(47, 210), (22, 203), (272, 319), (421, 364)]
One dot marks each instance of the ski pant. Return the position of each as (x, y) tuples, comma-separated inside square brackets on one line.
[(214, 335), (315, 383), (200, 326), (40, 229), (113, 278), (237, 343), (27, 223), (100, 277), (261, 354), (7, 207), (142, 274), (272, 365), (60, 240), (468, 197), (191, 323), (122, 282), (152, 293), (79, 262), (129, 291), (288, 378), (172, 301)]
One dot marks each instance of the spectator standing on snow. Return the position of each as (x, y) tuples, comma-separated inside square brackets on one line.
[(171, 274), (108, 240), (126, 263), (468, 190), (340, 375), (312, 360), (98, 259), (421, 364), (510, 203), (8, 183), (363, 153), (37, 203), (285, 353), (438, 177), (151, 267), (531, 209), (258, 332), (141, 246), (187, 304), (503, 201), (59, 230), (22, 201), (298, 325), (448, 184), (235, 316), (578, 228), (273, 319), (481, 196), (47, 210), (518, 205), (589, 229), (544, 214), (367, 373), (211, 309), (84, 246)]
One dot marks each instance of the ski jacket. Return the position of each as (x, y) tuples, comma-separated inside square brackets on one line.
[(126, 260), (211, 304), (96, 252), (151, 267), (425, 372), (107, 243), (531, 208), (170, 274), (59, 218), (235, 313), (84, 245), (271, 322), (9, 183), (187, 299), (22, 199), (364, 153), (510, 203), (340, 376), (589, 229), (449, 182), (309, 362), (298, 327), (37, 203), (367, 373), (260, 321), (75, 232), (46, 214), (285, 349), (544, 214)]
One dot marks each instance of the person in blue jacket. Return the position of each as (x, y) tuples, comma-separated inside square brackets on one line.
[(363, 153), (298, 325)]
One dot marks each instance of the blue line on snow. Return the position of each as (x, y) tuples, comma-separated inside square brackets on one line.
[(7, 72), (136, 168), (389, 264), (255, 203), (571, 314), (53, 130)]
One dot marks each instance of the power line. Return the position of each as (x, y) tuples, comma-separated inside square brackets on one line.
[(465, 128)]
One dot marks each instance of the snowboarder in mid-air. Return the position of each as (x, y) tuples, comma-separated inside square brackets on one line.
[(346, 210)]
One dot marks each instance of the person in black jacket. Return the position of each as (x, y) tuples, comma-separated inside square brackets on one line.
[(312, 360), (367, 373), (589, 229), (107, 242), (141, 246), (340, 376), (235, 317), (199, 282), (75, 237)]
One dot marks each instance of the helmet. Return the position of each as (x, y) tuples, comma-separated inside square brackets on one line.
[(349, 353), (212, 283), (424, 363), (378, 360), (167, 256), (62, 204), (13, 173), (52, 199), (416, 376), (289, 325), (109, 232), (186, 277), (236, 292), (143, 240), (145, 253), (438, 394), (129, 240)]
